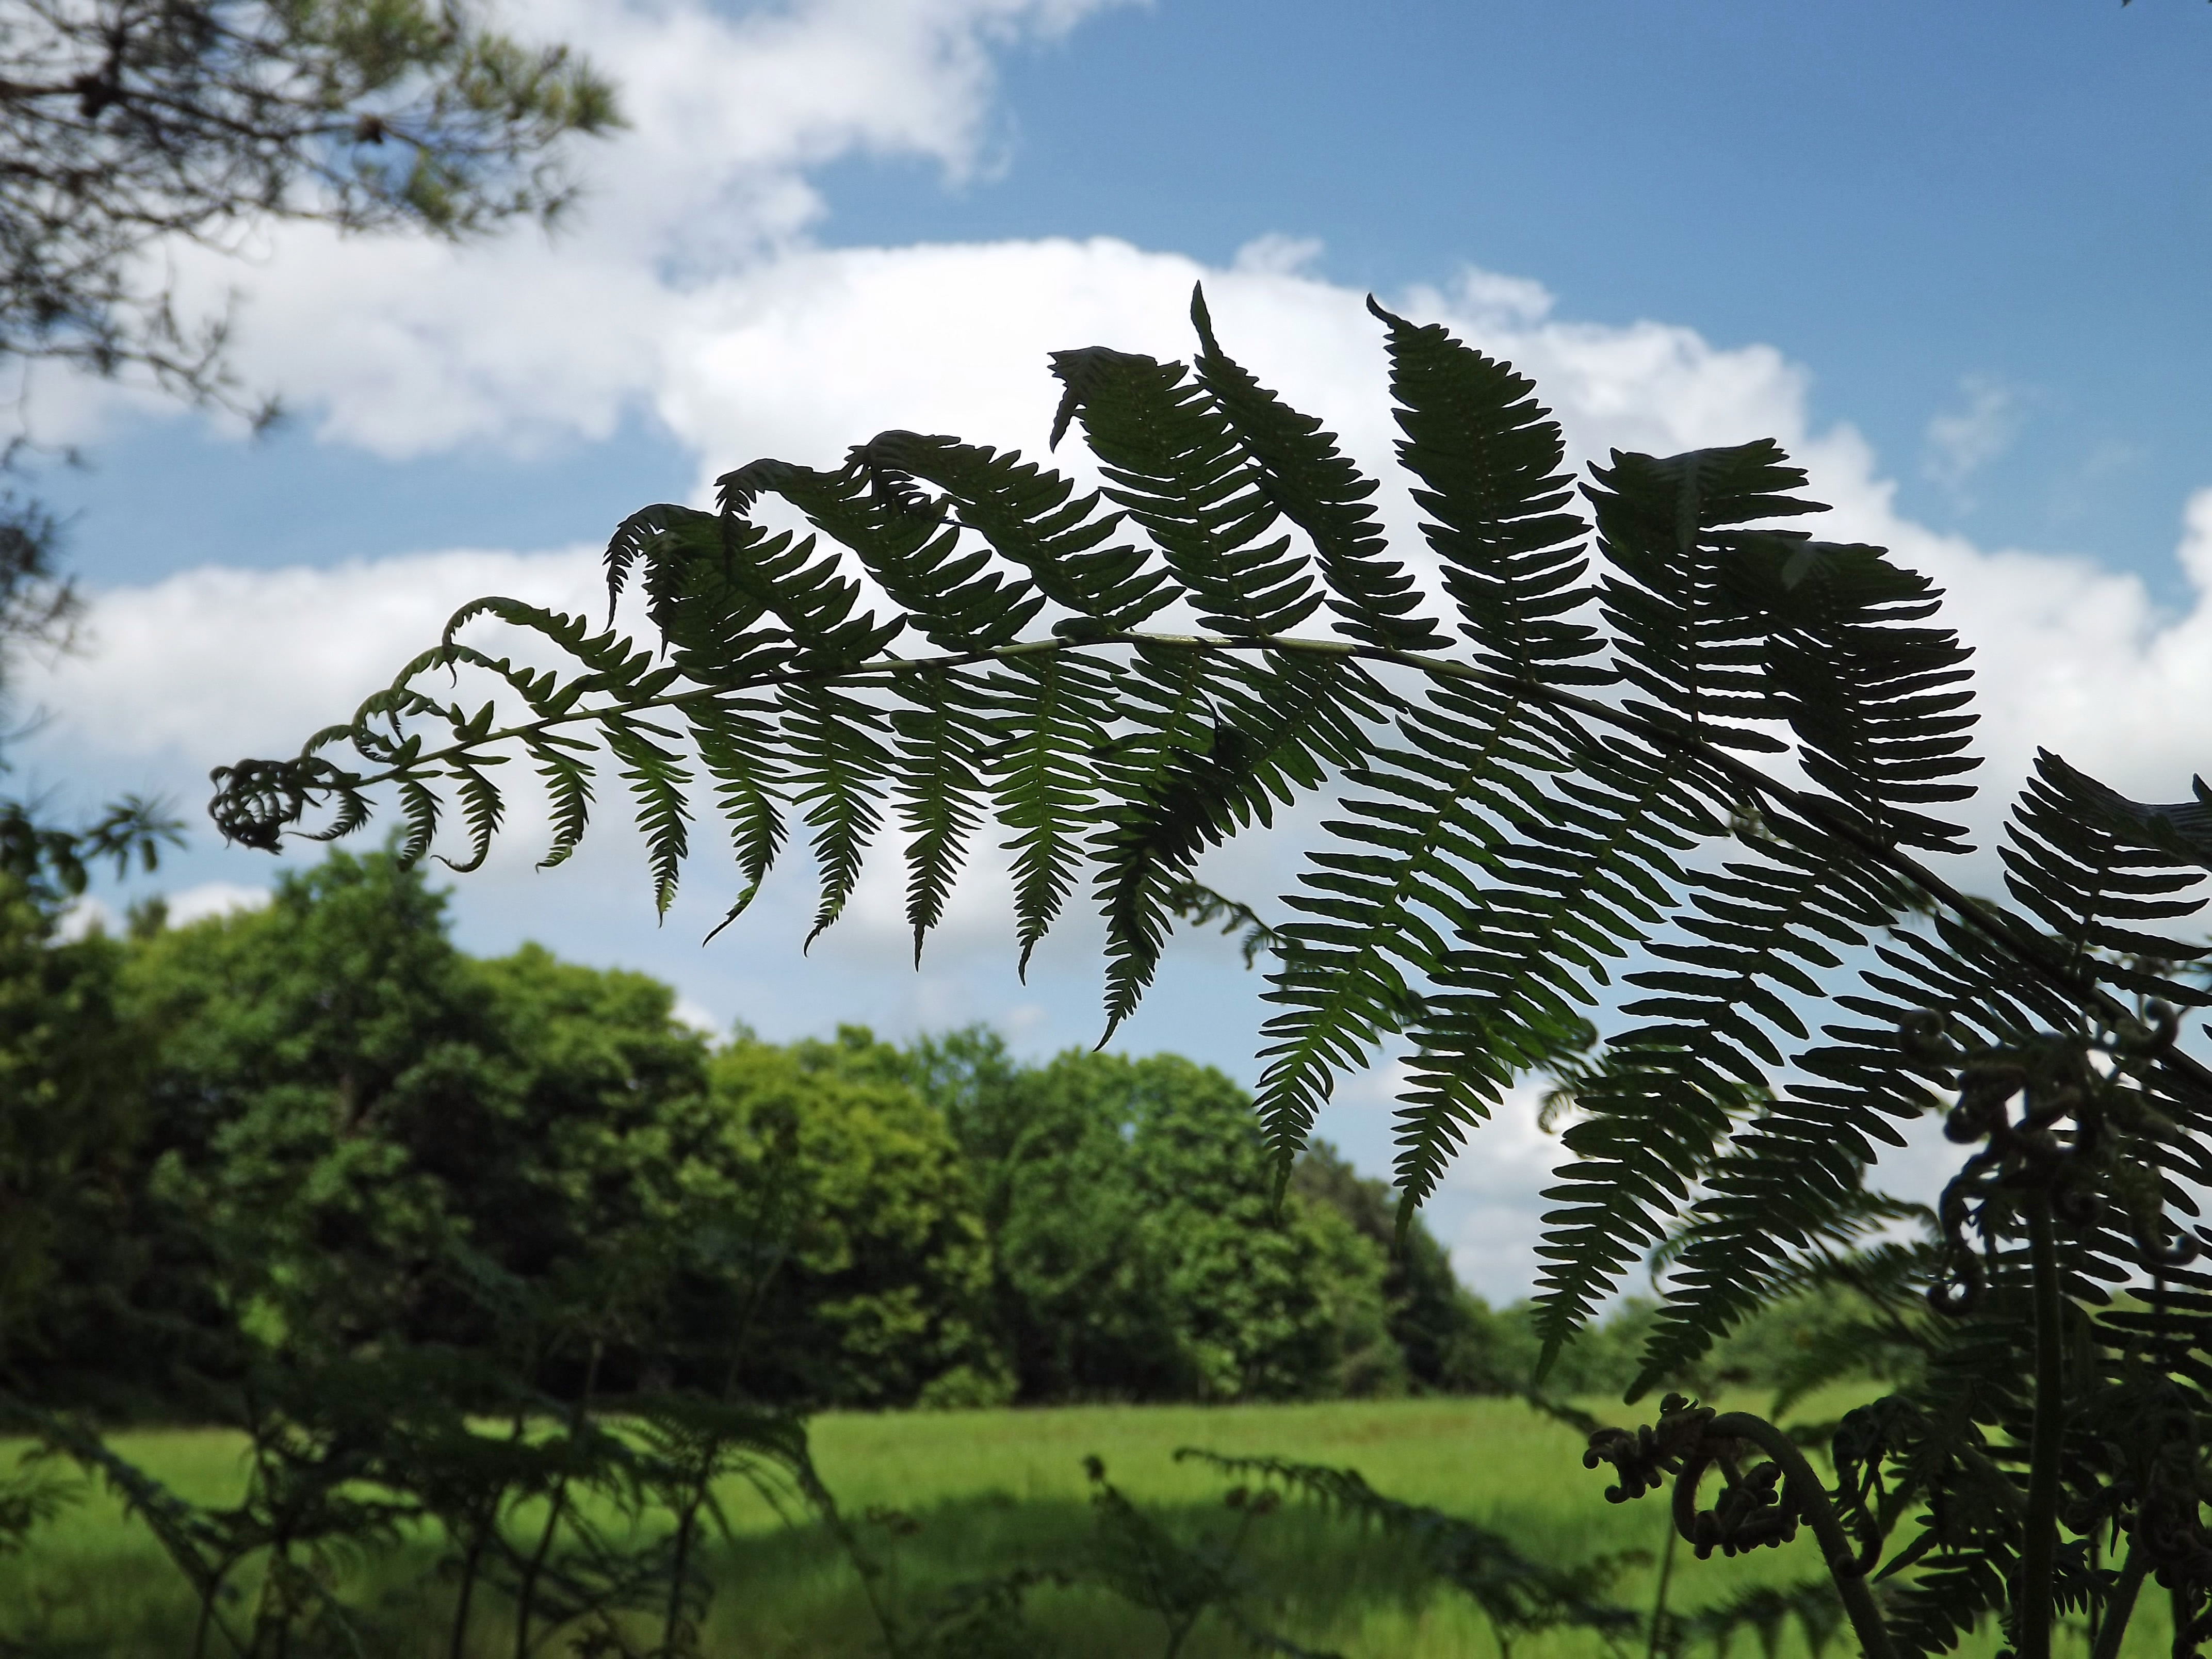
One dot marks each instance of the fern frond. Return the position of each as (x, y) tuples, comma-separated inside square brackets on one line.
[(1032, 518), (838, 769), (940, 739), (1646, 1135), (1491, 458), (907, 544), (1172, 461), (1050, 715), (568, 784), (1680, 636), (739, 740), (481, 808), (1301, 473), (813, 598), (657, 781)]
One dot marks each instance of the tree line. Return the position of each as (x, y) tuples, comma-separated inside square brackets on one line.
[(320, 1130)]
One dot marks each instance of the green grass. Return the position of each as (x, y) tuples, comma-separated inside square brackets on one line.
[(981, 1492)]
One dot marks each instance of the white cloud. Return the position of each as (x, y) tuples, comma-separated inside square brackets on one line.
[(406, 346), (214, 898), (183, 908), (1962, 443), (1277, 255)]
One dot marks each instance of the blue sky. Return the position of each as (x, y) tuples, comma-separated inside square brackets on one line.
[(1955, 255), (1996, 216)]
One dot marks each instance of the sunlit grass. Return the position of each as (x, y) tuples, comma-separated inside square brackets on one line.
[(986, 1492)]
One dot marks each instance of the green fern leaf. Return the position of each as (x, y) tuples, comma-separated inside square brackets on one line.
[(737, 741), (657, 781), (1032, 518), (1171, 460), (1050, 719), (1300, 471), (938, 786), (838, 770)]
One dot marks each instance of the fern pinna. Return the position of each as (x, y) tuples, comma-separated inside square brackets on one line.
[(1640, 791)]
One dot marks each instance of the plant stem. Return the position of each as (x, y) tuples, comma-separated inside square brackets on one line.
[(1809, 1498), (471, 1563), (2047, 1439), (1659, 1601), (686, 1525), (2121, 1608)]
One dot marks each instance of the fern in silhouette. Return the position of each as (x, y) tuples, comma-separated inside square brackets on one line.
[(1634, 755)]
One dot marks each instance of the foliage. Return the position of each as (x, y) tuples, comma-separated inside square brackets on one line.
[(1136, 1255), (319, 1125), (1589, 783), (132, 123), (1518, 1596), (72, 1104), (881, 1298), (1449, 1340)]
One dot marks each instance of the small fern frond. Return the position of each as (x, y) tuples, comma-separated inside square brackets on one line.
[(1669, 528), (839, 767), (940, 740), (1301, 472), (1050, 716), (657, 781), (1031, 517), (739, 744), (1172, 461), (568, 779), (1490, 458), (481, 808)]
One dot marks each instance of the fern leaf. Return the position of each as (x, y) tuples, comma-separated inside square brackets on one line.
[(905, 543), (1050, 720), (1171, 460), (1300, 471), (657, 781), (737, 740), (569, 782), (939, 740), (838, 769), (481, 808), (1032, 518), (1490, 456), (1681, 636)]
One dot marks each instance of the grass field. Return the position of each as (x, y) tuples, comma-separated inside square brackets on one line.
[(985, 1492)]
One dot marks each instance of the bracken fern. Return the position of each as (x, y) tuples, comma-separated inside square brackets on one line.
[(1648, 763)]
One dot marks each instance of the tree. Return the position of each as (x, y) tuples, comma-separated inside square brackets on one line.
[(1134, 1256), (129, 125), (881, 1292), (72, 1074), (1446, 1337), (1589, 781)]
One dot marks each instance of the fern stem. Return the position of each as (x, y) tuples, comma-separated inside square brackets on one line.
[(2038, 1551), (1808, 1496), (1659, 1601), (2120, 1606)]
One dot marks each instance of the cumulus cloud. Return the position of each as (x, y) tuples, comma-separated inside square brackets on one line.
[(1960, 442), (406, 346)]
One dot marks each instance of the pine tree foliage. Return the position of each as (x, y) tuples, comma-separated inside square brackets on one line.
[(1636, 758)]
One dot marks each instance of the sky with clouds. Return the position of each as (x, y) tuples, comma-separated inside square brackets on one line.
[(1950, 256)]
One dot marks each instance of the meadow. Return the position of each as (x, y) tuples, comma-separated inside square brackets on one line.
[(943, 1498)]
